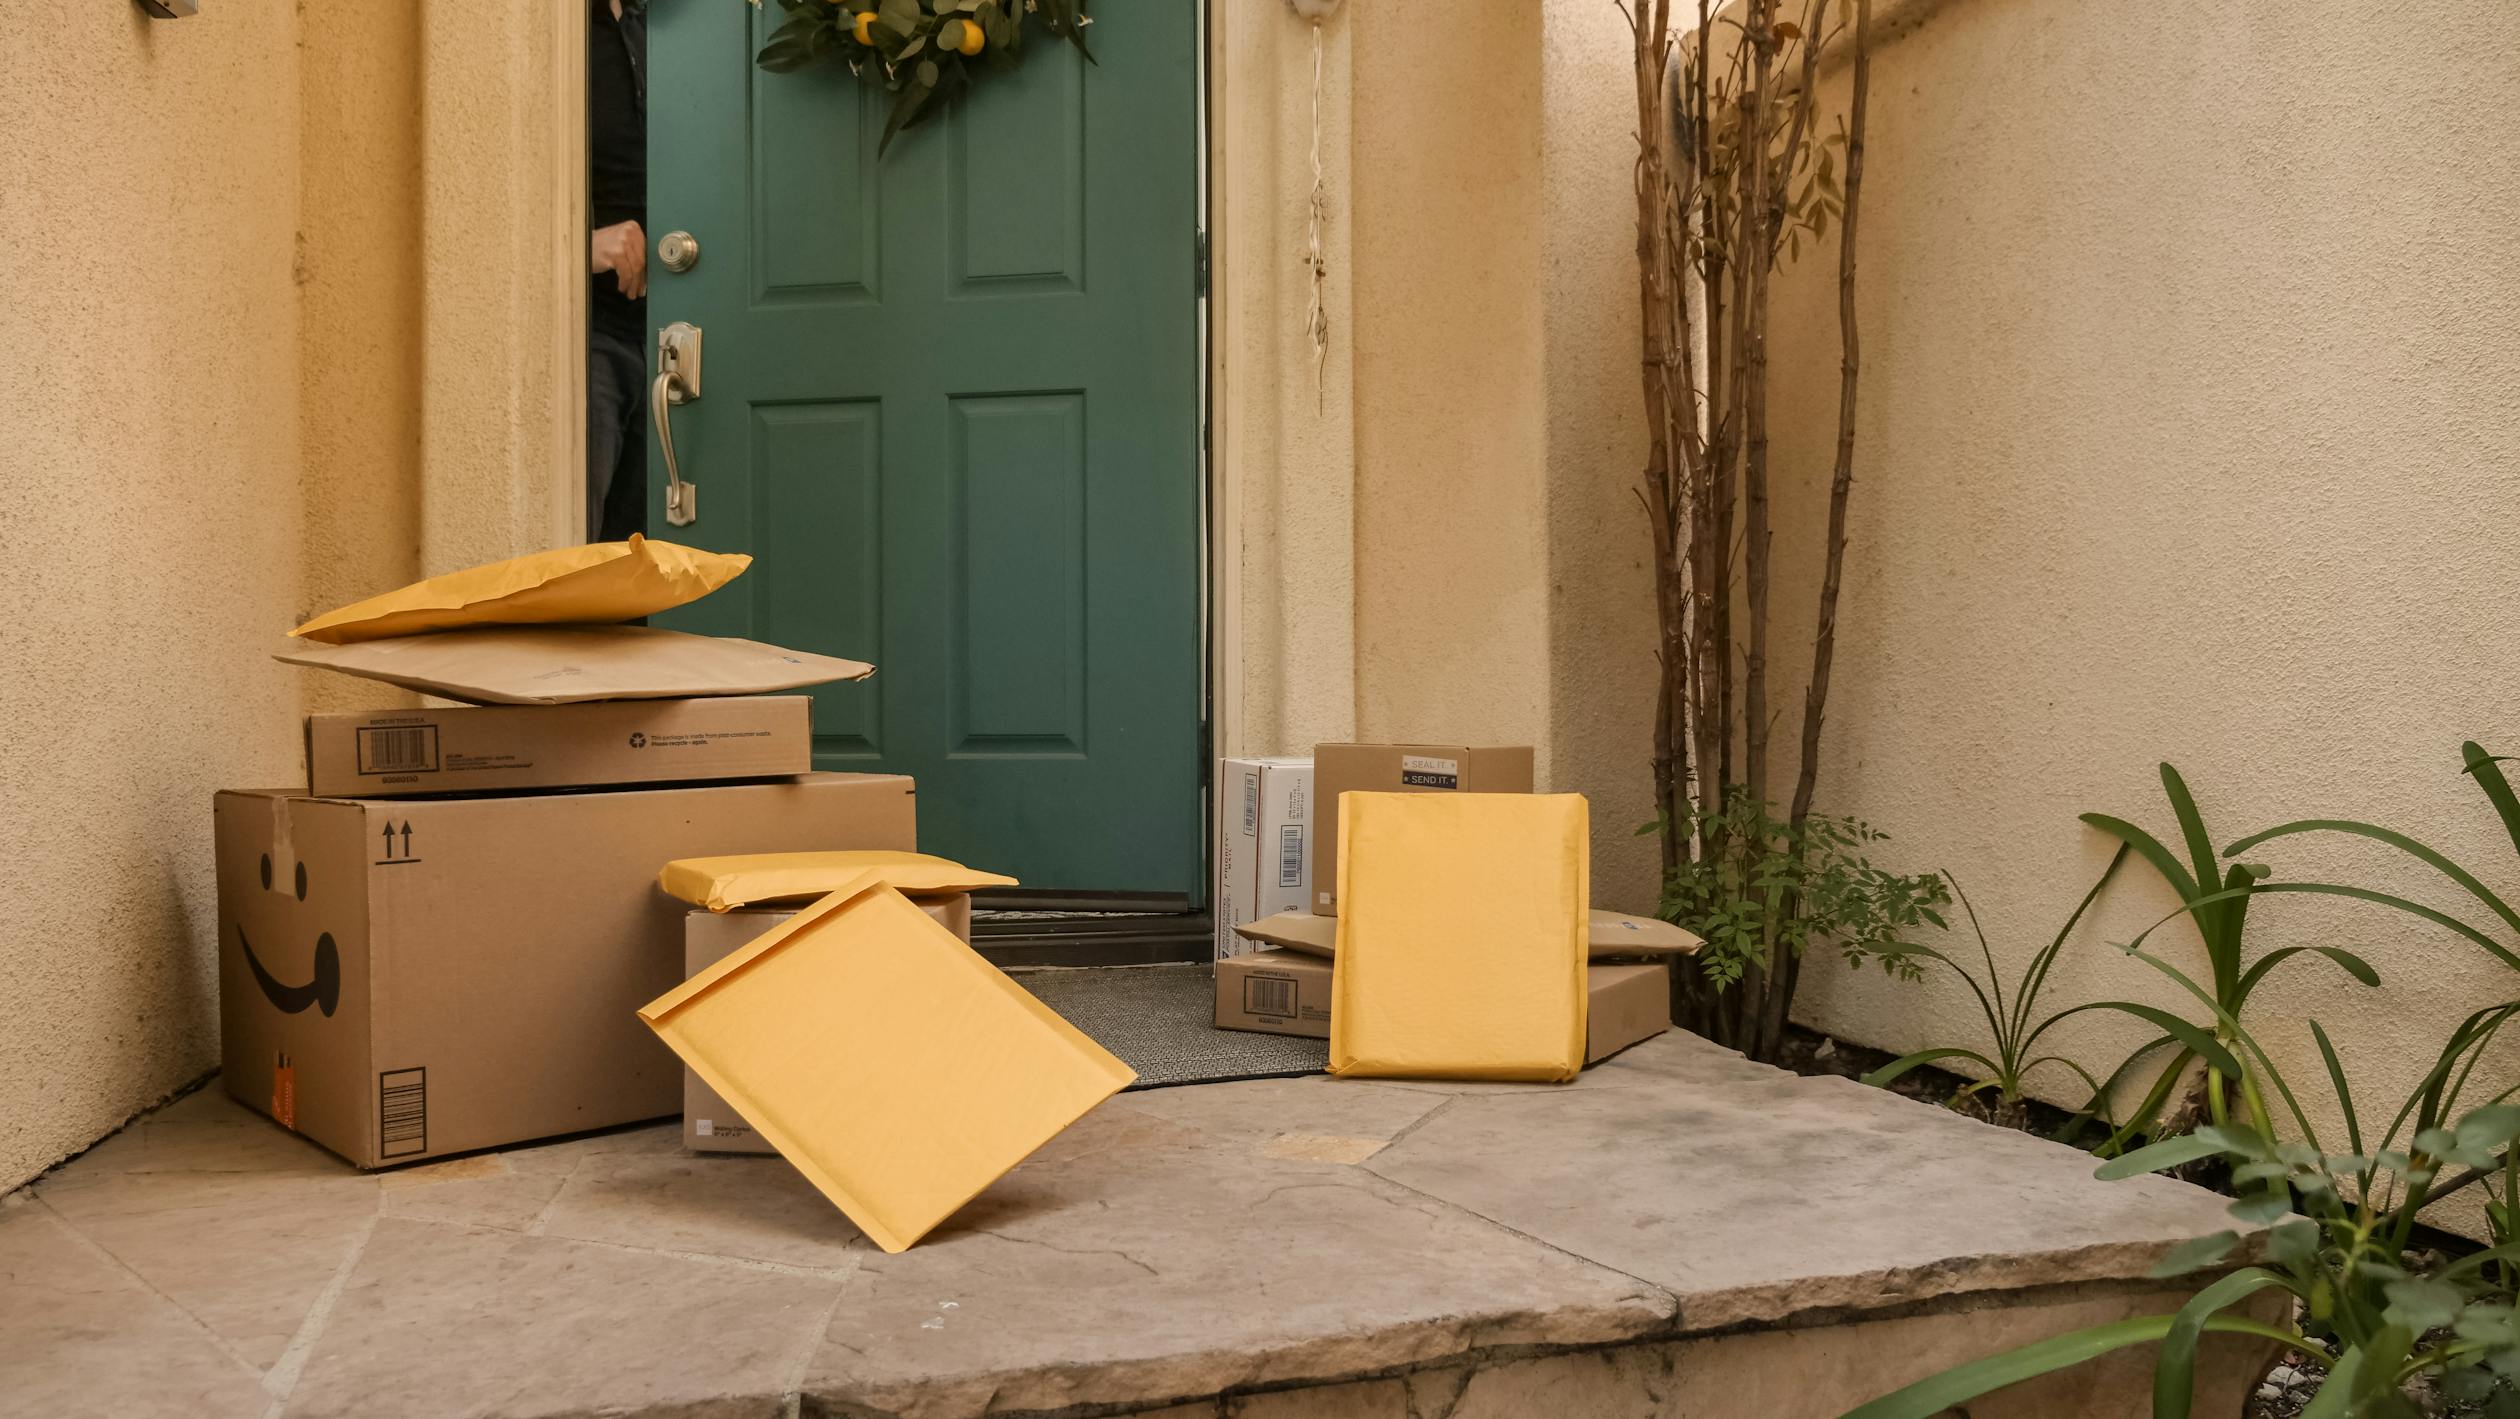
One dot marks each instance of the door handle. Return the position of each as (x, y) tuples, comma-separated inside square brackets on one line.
[(677, 382)]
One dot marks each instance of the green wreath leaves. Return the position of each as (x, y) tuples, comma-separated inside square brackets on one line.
[(923, 51)]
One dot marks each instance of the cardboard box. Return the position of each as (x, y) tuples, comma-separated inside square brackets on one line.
[(710, 1123), (1274, 993), (404, 979), (1263, 857), (506, 748), (1399, 768), (1288, 993), (1607, 935)]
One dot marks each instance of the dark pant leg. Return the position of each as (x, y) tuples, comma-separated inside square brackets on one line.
[(616, 437)]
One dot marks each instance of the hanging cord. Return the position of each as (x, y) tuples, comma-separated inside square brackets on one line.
[(1317, 318)]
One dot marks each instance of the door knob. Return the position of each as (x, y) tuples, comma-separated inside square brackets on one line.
[(678, 251), (677, 382)]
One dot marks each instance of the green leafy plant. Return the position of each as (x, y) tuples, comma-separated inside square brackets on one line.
[(2014, 1028), (924, 51), (2486, 770), (1771, 891), (2338, 1241), (2218, 902)]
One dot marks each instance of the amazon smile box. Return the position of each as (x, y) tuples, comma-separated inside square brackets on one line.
[(404, 979)]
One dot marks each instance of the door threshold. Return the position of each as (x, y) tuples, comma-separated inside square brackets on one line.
[(1036, 937)]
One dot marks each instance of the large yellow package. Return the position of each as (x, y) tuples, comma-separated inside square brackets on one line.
[(600, 582), (1463, 920), (897, 1070), (724, 883)]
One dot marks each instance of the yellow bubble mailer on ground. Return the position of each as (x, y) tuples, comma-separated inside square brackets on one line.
[(1463, 920), (724, 883), (603, 582), (897, 1070)]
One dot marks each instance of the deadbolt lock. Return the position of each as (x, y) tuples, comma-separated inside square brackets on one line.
[(678, 251)]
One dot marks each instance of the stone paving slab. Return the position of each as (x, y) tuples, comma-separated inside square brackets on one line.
[(1250, 1248)]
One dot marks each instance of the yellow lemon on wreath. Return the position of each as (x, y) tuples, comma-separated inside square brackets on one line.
[(865, 18), (967, 40)]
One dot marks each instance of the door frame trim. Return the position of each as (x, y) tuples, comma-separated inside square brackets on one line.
[(569, 262)]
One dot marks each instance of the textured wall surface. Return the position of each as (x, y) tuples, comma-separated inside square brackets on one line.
[(2192, 351), (1442, 542), (1282, 425), (1451, 526), (149, 174)]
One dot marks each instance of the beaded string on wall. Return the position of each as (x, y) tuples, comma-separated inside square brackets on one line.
[(1317, 212), (926, 52)]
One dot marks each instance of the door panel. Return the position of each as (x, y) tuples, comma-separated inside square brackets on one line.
[(949, 403)]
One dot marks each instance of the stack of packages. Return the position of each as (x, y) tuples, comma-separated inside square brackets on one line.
[(1427, 912), (453, 937)]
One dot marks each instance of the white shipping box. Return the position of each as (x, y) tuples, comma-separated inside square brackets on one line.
[(1263, 843)]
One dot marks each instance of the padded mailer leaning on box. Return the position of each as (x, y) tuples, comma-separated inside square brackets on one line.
[(1461, 936), (897, 1070)]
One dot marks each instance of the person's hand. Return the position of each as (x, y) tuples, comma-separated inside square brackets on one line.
[(622, 249)]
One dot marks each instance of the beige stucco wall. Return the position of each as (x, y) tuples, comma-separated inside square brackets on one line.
[(2192, 351), (1445, 547), (220, 279), (149, 180)]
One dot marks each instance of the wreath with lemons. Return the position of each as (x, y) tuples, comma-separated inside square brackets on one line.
[(925, 52)]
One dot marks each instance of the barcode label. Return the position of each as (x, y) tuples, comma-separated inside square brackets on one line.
[(402, 1113), (1265, 995), (1251, 804), (398, 749), (1290, 854)]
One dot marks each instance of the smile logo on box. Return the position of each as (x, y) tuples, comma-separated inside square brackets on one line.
[(322, 990)]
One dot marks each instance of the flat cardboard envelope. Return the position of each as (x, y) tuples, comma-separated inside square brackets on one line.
[(559, 665), (1611, 935), (601, 581), (722, 884), (1461, 936), (896, 1069)]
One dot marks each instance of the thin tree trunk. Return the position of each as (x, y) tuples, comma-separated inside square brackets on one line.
[(1842, 478)]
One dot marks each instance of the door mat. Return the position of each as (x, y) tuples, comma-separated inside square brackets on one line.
[(1160, 1020)]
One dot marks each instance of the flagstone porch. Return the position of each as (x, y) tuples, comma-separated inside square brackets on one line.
[(1679, 1234)]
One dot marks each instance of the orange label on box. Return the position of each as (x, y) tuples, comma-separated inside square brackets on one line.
[(284, 1093)]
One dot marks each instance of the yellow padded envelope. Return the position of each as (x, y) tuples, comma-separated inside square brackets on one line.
[(896, 1069), (724, 883), (1461, 943), (600, 582)]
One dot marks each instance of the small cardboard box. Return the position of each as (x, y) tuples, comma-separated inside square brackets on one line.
[(710, 1123), (1288, 993), (404, 979), (507, 748), (1274, 992), (1399, 768), (1263, 858)]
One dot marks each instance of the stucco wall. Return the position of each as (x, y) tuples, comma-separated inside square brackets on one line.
[(216, 243), (2191, 362), (151, 184), (1443, 546)]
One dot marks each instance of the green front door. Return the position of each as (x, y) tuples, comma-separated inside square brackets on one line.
[(949, 403)]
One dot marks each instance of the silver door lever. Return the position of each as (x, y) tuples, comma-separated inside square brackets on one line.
[(677, 382)]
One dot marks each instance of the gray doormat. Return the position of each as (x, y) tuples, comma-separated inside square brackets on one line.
[(1160, 1020)]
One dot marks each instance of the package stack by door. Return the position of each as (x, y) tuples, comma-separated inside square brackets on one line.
[(1445, 927), (445, 938)]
